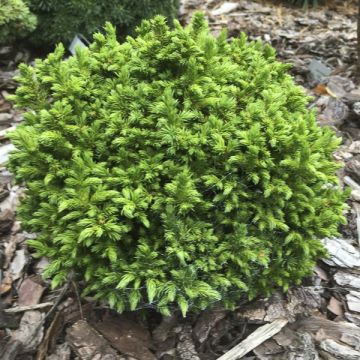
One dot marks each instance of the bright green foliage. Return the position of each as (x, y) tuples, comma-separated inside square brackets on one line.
[(174, 169), (16, 21), (61, 20)]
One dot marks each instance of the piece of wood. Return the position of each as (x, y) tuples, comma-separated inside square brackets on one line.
[(62, 352), (50, 336), (341, 253), (127, 336), (288, 344), (330, 328), (260, 335), (11, 350), (353, 184), (30, 307), (9, 321), (30, 292), (186, 348), (30, 331), (7, 218), (340, 351), (351, 340), (353, 301), (225, 8), (346, 279), (353, 317), (88, 344), (18, 264), (206, 321), (335, 306)]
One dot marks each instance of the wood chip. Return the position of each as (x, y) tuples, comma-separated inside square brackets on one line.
[(30, 292), (353, 317), (321, 273), (30, 332), (4, 152), (88, 344), (330, 328), (7, 218), (346, 279), (225, 8), (342, 253), (260, 335), (18, 264), (339, 351), (353, 301), (62, 352), (206, 321), (127, 336), (335, 306), (186, 348)]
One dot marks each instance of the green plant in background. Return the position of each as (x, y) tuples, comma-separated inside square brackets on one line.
[(59, 21), (305, 3), (173, 169), (16, 21)]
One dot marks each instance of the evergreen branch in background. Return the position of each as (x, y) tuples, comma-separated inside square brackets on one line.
[(59, 21), (16, 21)]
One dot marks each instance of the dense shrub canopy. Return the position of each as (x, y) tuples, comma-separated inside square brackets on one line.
[(174, 168), (16, 21), (61, 20)]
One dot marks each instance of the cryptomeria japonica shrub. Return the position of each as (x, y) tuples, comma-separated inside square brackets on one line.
[(175, 169), (61, 20)]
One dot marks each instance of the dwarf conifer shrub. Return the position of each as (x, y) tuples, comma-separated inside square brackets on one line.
[(16, 21), (61, 20), (173, 169)]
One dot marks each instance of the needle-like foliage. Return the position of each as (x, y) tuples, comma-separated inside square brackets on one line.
[(175, 169), (16, 21), (60, 20)]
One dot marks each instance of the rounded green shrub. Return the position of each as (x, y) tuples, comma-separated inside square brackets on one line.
[(59, 21), (175, 169), (16, 21)]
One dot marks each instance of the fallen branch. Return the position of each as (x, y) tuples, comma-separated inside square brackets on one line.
[(255, 339), (29, 307)]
